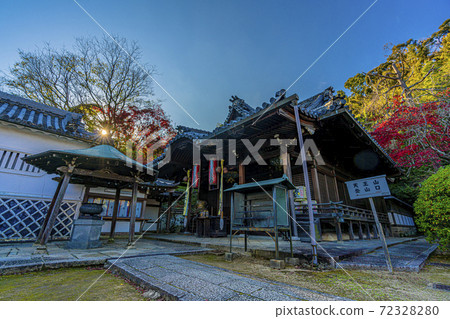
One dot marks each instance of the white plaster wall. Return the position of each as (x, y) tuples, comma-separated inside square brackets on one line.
[(21, 139)]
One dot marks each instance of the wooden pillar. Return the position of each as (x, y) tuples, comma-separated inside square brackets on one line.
[(114, 215), (375, 233), (245, 240), (368, 231), (241, 174), (50, 208), (336, 188), (86, 194), (386, 231), (158, 225), (315, 181), (350, 230), (57, 205), (169, 211), (133, 214), (360, 231), (338, 230)]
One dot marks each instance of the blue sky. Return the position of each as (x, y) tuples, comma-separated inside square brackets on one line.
[(206, 51)]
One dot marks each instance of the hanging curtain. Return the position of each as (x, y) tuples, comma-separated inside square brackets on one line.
[(212, 172), (221, 195), (196, 176)]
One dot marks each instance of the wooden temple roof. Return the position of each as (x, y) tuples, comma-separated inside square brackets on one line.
[(25, 112), (284, 181), (95, 163), (326, 119)]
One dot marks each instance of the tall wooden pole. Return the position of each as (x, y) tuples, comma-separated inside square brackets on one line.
[(288, 172), (231, 221), (114, 215), (57, 205), (312, 228), (133, 214), (275, 220), (381, 234)]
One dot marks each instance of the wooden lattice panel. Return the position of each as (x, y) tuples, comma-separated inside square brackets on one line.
[(21, 218)]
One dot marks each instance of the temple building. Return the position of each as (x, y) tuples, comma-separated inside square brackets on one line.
[(28, 128), (338, 149)]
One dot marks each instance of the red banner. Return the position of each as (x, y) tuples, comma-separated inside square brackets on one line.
[(212, 177), (195, 176)]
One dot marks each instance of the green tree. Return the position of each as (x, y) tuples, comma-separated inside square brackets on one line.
[(415, 70), (433, 208)]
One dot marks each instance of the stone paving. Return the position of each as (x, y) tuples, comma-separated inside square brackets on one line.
[(409, 256), (188, 280), (21, 257), (262, 245), (152, 264)]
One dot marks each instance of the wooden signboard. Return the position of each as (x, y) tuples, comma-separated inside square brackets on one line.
[(368, 188)]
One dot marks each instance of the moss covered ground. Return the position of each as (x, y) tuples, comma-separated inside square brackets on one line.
[(67, 284), (353, 284)]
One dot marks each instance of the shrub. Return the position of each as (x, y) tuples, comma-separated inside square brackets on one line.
[(433, 208)]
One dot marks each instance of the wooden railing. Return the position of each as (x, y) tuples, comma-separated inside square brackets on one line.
[(339, 210)]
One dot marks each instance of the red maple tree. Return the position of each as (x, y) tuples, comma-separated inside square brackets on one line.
[(141, 125), (417, 135)]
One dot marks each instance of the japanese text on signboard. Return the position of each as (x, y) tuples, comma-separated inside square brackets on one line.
[(368, 187)]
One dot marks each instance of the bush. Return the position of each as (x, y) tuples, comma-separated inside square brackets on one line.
[(433, 208)]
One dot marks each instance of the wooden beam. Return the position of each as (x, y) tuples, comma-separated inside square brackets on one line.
[(103, 174), (114, 215), (49, 210), (291, 117), (133, 214), (55, 209)]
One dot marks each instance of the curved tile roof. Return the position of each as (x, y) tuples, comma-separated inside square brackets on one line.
[(14, 109), (316, 107)]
